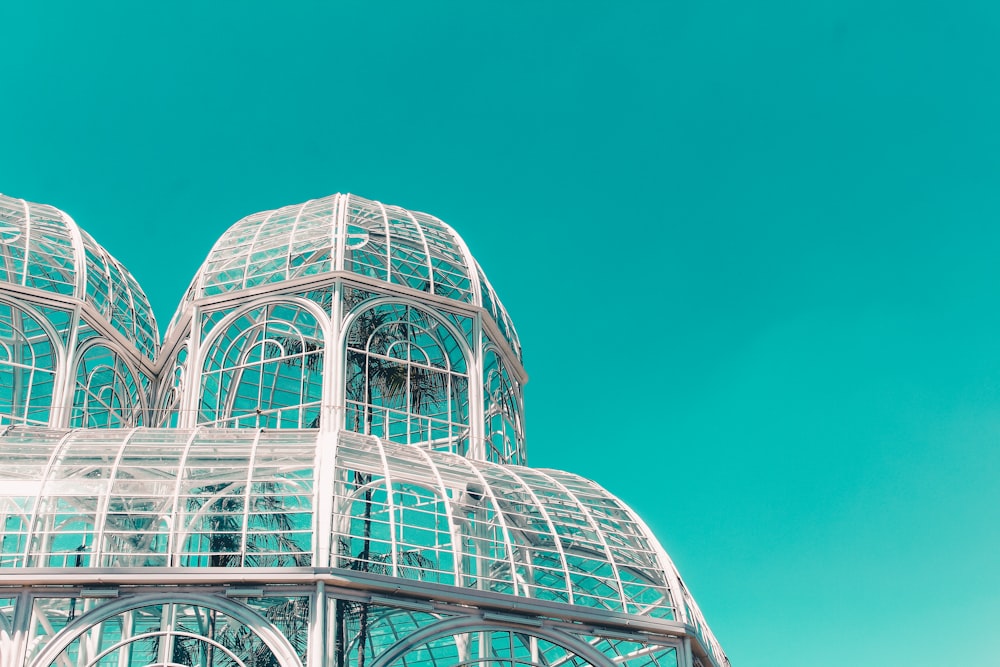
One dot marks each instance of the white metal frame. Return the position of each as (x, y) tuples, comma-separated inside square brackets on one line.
[(437, 516)]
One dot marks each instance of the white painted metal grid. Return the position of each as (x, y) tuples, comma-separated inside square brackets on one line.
[(396, 363)]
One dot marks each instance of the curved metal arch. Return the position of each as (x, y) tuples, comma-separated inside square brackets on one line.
[(520, 588), (43, 321), (84, 347), (267, 631), (78, 252), (685, 606), (96, 660), (209, 337), (176, 532), (57, 452), (454, 626), (467, 352), (253, 243), (594, 526), (63, 355), (670, 573), (543, 511), (240, 341), (399, 631), (427, 250), (453, 531), (104, 501)]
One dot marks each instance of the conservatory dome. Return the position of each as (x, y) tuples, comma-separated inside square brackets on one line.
[(43, 249), (346, 233)]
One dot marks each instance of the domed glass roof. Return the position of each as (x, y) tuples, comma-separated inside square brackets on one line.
[(42, 248), (344, 232)]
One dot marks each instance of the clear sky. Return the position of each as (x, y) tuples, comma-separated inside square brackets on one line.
[(751, 249)]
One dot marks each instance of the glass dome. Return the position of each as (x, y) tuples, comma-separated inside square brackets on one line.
[(344, 232), (344, 313), (42, 248), (77, 335)]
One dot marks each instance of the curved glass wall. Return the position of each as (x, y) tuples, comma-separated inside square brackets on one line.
[(158, 629), (218, 499), (223, 498)]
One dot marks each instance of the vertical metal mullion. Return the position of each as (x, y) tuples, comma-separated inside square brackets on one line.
[(317, 640), (247, 498), (475, 370), (21, 626)]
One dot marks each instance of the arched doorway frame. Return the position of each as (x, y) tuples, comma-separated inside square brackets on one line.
[(260, 626)]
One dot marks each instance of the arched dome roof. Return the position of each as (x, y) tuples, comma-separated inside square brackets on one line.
[(251, 499), (42, 248), (344, 232)]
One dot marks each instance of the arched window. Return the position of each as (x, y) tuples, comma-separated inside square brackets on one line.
[(107, 395), (27, 368), (265, 369), (407, 379)]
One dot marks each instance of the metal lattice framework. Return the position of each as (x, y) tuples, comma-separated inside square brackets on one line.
[(334, 474), (354, 235), (77, 335), (346, 313)]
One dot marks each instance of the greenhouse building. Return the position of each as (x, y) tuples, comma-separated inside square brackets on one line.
[(322, 464)]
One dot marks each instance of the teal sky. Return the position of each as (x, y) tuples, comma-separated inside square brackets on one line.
[(751, 250)]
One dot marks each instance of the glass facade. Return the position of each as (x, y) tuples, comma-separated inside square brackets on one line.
[(324, 464)]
